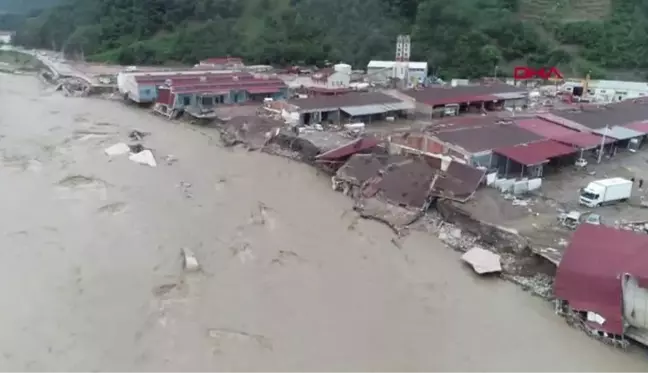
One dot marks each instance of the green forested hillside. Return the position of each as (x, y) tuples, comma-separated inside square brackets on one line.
[(25, 6), (465, 38)]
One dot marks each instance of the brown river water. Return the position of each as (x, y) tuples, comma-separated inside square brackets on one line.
[(91, 269)]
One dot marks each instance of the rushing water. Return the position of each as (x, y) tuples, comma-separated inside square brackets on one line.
[(90, 263)]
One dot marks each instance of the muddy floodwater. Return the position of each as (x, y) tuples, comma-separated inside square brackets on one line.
[(91, 271)]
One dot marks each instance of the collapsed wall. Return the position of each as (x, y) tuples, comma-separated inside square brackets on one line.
[(520, 263)]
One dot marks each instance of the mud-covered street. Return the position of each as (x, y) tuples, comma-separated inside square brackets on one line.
[(92, 276)]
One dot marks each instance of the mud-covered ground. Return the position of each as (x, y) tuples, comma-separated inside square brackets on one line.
[(90, 263)]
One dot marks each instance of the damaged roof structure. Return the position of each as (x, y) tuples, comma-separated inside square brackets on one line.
[(397, 189), (535, 153), (251, 130), (590, 273), (411, 181), (561, 134), (353, 104)]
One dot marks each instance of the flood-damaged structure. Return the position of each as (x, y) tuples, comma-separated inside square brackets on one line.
[(397, 189), (602, 283)]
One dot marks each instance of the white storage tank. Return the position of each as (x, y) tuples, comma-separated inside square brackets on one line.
[(343, 68)]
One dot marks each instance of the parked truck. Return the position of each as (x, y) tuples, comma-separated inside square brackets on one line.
[(605, 191)]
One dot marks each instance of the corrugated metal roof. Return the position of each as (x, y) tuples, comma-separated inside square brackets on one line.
[(536, 152), (480, 139), (559, 133), (641, 126), (271, 89), (469, 93), (583, 140), (609, 115), (403, 105), (351, 148), (330, 103), (588, 274), (618, 132), (356, 111)]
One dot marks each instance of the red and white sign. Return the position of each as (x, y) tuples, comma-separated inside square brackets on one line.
[(529, 73)]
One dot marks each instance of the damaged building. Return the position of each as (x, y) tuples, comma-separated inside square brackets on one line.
[(399, 189), (602, 283), (349, 108)]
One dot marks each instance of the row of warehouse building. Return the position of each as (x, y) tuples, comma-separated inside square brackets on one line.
[(526, 144)]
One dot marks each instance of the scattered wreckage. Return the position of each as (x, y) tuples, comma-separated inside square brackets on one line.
[(397, 189)]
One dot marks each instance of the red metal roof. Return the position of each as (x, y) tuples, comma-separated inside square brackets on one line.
[(589, 273), (209, 76), (351, 148), (270, 89), (217, 88), (559, 133), (535, 152), (641, 126)]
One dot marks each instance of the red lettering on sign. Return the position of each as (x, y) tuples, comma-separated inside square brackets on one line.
[(526, 73)]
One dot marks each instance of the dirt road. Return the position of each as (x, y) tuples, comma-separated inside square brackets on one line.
[(90, 263)]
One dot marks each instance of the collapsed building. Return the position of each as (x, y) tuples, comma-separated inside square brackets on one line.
[(398, 189), (602, 283)]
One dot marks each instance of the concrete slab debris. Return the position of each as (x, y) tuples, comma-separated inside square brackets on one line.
[(482, 261), (190, 262), (144, 157), (117, 149)]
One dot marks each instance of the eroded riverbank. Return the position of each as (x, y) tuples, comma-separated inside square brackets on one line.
[(89, 245)]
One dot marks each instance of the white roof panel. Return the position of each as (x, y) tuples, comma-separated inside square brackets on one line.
[(403, 105), (355, 111), (389, 64), (619, 133)]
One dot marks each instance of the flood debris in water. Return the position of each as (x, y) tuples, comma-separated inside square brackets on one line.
[(112, 208), (76, 181), (186, 189), (144, 157), (189, 260), (136, 135), (482, 261), (118, 149), (224, 334), (286, 256), (170, 159), (136, 148), (164, 289)]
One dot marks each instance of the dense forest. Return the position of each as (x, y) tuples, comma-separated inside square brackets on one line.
[(460, 38)]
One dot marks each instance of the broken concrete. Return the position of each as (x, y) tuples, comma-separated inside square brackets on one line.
[(144, 157), (117, 149), (482, 261), (190, 262), (253, 132)]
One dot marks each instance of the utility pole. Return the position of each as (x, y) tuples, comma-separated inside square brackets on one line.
[(600, 155)]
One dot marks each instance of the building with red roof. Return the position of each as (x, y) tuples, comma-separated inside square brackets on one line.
[(205, 92), (603, 277), (436, 100)]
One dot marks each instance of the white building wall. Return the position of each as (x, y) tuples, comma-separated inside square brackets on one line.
[(338, 80), (6, 38), (635, 303), (381, 71)]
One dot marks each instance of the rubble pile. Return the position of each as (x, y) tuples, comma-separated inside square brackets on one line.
[(639, 226), (75, 87), (539, 284), (253, 132)]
